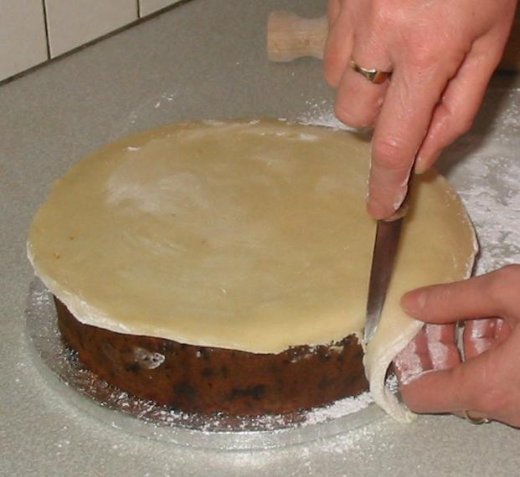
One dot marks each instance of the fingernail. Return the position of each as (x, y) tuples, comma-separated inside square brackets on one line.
[(401, 194), (377, 210), (418, 167), (421, 165), (413, 302)]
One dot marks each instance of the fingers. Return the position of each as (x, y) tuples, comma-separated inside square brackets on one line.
[(333, 9), (338, 47), (358, 102), (442, 346), (480, 336), (413, 360), (449, 390), (434, 348), (440, 73), (487, 385), (493, 294), (401, 127), (403, 107), (454, 115), (454, 386)]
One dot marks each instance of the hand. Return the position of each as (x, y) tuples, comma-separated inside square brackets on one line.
[(441, 53), (434, 379)]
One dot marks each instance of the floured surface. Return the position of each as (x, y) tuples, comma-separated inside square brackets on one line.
[(487, 180), (249, 236)]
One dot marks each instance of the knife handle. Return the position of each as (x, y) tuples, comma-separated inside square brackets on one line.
[(290, 36)]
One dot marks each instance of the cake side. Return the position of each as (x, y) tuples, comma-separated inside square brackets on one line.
[(207, 380)]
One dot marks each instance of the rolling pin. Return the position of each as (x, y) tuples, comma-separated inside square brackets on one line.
[(290, 36)]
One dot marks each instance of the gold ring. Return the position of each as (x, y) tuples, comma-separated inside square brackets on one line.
[(371, 74), (474, 419)]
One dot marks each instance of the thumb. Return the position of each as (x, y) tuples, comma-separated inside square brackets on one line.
[(493, 294)]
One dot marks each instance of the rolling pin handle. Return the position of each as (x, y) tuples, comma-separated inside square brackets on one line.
[(290, 36)]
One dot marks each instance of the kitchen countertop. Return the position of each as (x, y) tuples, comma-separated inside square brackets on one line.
[(206, 59)]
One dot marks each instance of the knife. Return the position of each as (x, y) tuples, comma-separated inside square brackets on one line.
[(383, 257)]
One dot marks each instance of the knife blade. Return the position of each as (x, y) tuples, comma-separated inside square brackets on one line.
[(386, 243), (383, 258)]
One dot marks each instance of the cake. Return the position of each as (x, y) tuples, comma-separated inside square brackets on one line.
[(209, 381), (222, 267)]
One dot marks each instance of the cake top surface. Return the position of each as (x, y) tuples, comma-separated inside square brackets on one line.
[(243, 235)]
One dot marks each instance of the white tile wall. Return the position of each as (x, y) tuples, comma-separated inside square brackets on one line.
[(72, 23), (26, 40), (22, 36)]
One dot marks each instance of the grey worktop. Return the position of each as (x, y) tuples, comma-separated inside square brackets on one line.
[(206, 59)]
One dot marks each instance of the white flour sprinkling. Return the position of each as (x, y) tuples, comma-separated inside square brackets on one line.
[(146, 109), (478, 333), (320, 114), (356, 440), (438, 350), (409, 363), (338, 409), (487, 179)]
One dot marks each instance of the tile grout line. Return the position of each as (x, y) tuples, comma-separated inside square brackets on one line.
[(46, 25), (138, 8), (52, 59)]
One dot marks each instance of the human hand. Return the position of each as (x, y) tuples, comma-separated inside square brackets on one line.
[(433, 379), (441, 53)]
